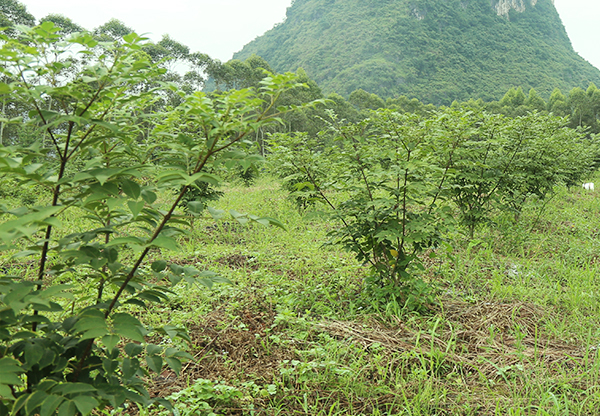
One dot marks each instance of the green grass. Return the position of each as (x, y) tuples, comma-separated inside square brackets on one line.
[(516, 330)]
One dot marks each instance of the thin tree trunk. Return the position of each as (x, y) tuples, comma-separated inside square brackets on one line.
[(2, 122), (45, 131)]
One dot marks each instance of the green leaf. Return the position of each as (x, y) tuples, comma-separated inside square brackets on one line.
[(130, 367), (174, 364), (18, 405), (109, 126), (110, 341), (165, 242), (85, 404), (91, 324), (126, 240), (136, 302), (133, 349), (135, 207), (68, 408), (132, 189), (196, 207), (5, 88), (239, 217), (34, 401), (10, 379), (73, 388), (271, 221), (21, 226), (203, 177), (148, 196), (217, 214), (154, 363), (152, 349), (50, 405), (33, 354), (11, 369), (128, 327), (159, 266), (5, 392), (109, 365)]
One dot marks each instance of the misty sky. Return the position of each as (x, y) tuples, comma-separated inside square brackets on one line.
[(222, 27)]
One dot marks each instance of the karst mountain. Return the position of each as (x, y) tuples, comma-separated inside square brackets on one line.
[(435, 50)]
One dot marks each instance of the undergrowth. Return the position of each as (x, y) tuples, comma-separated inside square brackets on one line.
[(516, 330)]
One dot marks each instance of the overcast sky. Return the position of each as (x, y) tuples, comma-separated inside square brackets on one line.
[(222, 27)]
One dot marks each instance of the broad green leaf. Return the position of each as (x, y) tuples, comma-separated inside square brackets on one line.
[(73, 388), (5, 392), (135, 207), (50, 405), (131, 189), (148, 196), (10, 379), (110, 341), (154, 363), (111, 254), (128, 327), (203, 177), (46, 385), (20, 226), (92, 324), (67, 408), (18, 405), (152, 349), (85, 404), (174, 364), (217, 214), (114, 203), (133, 349), (130, 367), (196, 207), (33, 354), (136, 302), (109, 365), (125, 240), (34, 401), (239, 217), (5, 333), (206, 282), (165, 242), (109, 126), (102, 175), (159, 266), (60, 291)]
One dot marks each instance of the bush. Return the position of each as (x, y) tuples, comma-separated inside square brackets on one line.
[(95, 353)]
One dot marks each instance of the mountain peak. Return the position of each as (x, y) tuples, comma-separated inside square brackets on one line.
[(503, 7), (434, 50)]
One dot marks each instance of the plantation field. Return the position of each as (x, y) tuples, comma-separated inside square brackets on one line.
[(514, 329), (161, 246)]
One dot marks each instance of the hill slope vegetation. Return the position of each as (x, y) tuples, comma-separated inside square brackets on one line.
[(438, 51)]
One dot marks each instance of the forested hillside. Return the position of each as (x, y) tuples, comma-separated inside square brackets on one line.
[(435, 51)]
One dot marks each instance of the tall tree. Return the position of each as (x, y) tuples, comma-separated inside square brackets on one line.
[(13, 12), (65, 25), (111, 31), (557, 104), (534, 101), (579, 103)]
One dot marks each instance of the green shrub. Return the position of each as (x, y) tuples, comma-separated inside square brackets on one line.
[(60, 354)]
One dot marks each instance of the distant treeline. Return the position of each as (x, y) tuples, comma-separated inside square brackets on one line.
[(193, 71), (582, 107)]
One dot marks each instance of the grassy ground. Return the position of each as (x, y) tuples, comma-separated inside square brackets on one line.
[(516, 330)]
